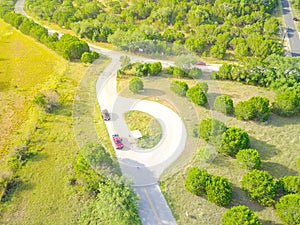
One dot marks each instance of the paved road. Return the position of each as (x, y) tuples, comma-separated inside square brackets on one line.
[(145, 167), (292, 32)]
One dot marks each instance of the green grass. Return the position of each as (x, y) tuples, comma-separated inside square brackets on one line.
[(44, 194), (277, 142), (148, 126), (23, 71)]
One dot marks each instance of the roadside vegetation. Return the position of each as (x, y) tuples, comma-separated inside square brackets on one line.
[(216, 29), (44, 177), (149, 127)]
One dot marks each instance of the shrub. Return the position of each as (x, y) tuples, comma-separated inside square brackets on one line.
[(255, 108), (87, 57), (179, 87), (219, 191), (194, 73), (203, 85), (248, 158), (260, 185), (212, 129), (290, 184), (197, 95), (48, 100), (233, 140), (135, 85), (196, 181), (286, 103), (240, 215), (287, 209), (224, 104)]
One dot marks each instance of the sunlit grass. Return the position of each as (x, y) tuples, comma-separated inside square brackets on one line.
[(148, 126)]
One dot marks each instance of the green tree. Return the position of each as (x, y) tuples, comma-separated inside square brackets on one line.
[(196, 181), (288, 209), (219, 191), (179, 87), (197, 95), (212, 130), (233, 140), (115, 203), (155, 68), (136, 85), (194, 73), (248, 158), (217, 51), (261, 107), (224, 104), (240, 215), (87, 57), (244, 111), (260, 186)]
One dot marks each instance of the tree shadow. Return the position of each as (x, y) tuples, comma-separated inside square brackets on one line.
[(268, 222), (114, 116), (266, 151), (15, 185), (3, 59), (39, 157), (278, 170), (240, 197), (63, 110), (3, 85), (152, 92), (280, 121)]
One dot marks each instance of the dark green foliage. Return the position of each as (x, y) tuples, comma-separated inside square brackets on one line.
[(212, 130), (219, 191), (248, 158), (71, 47), (89, 57), (288, 209), (115, 203), (290, 184), (224, 104), (286, 103), (240, 215), (260, 186), (255, 108), (203, 85), (92, 165), (196, 181), (179, 87), (136, 85), (233, 140), (275, 71), (197, 95), (148, 69)]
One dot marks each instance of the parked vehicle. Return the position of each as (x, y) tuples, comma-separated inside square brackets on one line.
[(201, 63), (117, 141), (105, 115)]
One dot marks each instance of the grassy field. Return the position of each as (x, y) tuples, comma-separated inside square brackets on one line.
[(147, 125), (44, 194), (23, 70), (277, 141)]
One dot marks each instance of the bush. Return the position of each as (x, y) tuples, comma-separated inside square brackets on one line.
[(224, 104), (233, 140), (240, 215), (48, 100), (194, 73), (212, 130), (286, 103), (136, 85), (287, 209), (255, 108), (290, 184), (219, 191), (260, 185), (248, 158), (89, 57), (196, 181), (197, 95), (203, 85), (179, 87)]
